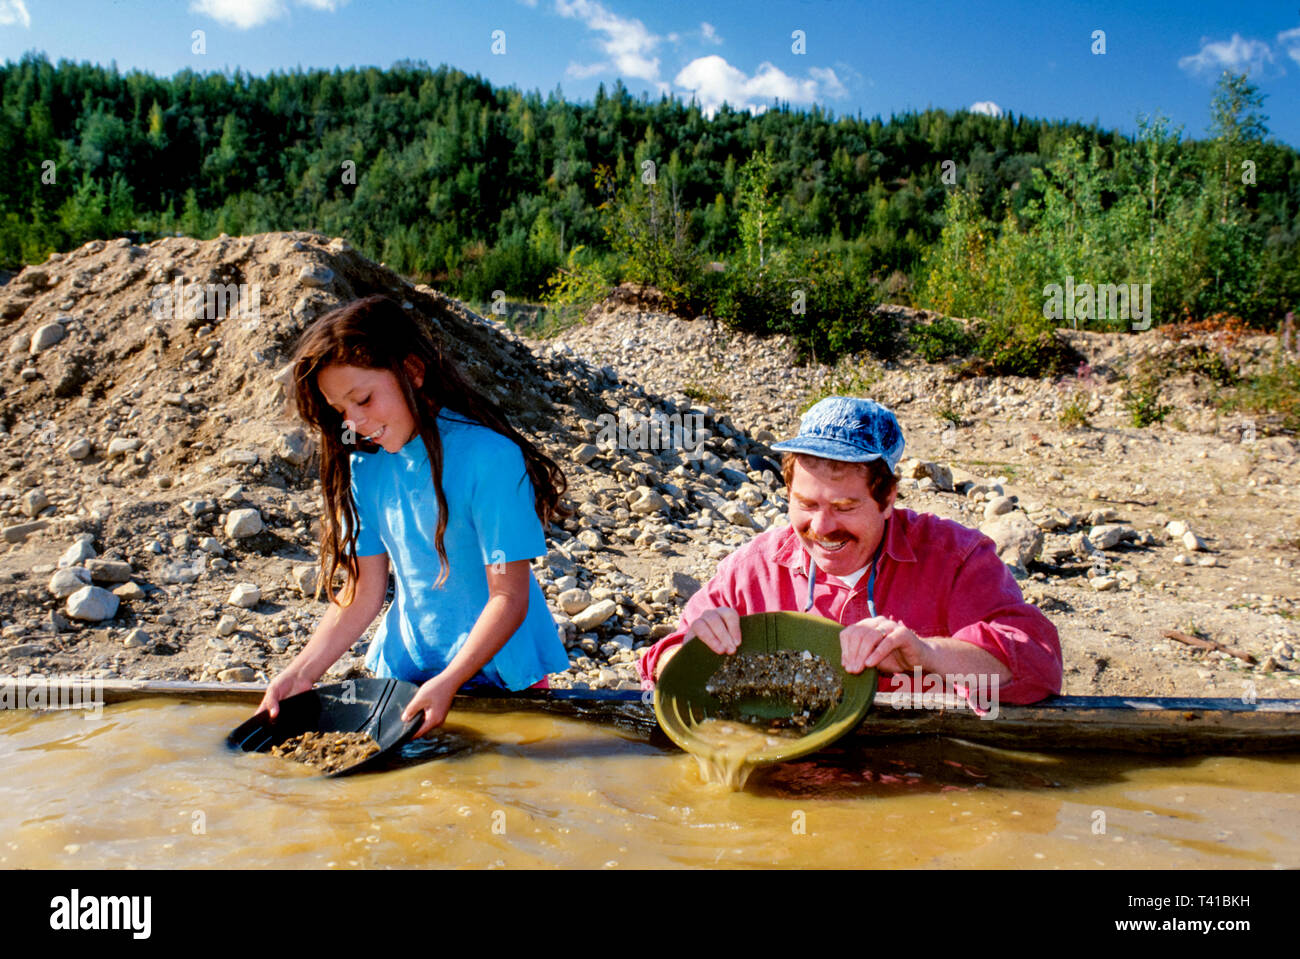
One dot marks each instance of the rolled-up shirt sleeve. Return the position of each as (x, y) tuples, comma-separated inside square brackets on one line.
[(987, 609), (716, 593)]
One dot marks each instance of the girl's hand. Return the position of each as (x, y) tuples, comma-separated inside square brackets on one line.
[(288, 683), (434, 699)]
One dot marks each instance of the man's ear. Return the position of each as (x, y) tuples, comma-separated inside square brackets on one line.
[(888, 511), (415, 370)]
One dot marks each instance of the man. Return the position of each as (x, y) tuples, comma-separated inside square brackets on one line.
[(911, 589)]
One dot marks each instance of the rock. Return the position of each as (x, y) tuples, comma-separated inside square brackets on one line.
[(1181, 560), (1049, 518), (1176, 529), (295, 446), (595, 614), (1108, 536), (46, 336), (1103, 583), (226, 625), (137, 639), (998, 506), (591, 539), (129, 591), (181, 572), (68, 580), (79, 448), (33, 501), (78, 553), (574, 601), (584, 454), (649, 502), (245, 595), (92, 603), (25, 649), (684, 585), (736, 515), (210, 544), (183, 541), (1192, 542), (919, 469), (1018, 541), (237, 674), (315, 275), (239, 457), (119, 446), (1081, 546), (306, 578), (19, 531), (109, 570), (242, 523)]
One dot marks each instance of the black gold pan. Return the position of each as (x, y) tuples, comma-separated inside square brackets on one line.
[(681, 700), (370, 706)]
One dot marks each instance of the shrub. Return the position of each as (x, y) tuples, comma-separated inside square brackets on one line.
[(941, 338)]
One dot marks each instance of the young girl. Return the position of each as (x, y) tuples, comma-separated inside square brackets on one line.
[(423, 470)]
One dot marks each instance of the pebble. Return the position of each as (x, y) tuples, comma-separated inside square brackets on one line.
[(226, 625), (1109, 536), (574, 601), (46, 336), (79, 448), (245, 595), (92, 603), (315, 275), (242, 523), (33, 501), (237, 674), (136, 639), (78, 552), (998, 506), (1103, 583), (595, 614), (129, 591), (68, 580), (109, 570)]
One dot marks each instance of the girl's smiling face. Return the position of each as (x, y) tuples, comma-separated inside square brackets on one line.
[(371, 403)]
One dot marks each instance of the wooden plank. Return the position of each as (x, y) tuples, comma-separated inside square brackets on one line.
[(1108, 723)]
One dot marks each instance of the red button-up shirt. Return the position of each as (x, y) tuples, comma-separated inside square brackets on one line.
[(937, 577)]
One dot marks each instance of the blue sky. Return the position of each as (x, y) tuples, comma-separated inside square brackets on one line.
[(1032, 58)]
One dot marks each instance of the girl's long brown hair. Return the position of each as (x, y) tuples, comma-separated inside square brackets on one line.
[(376, 333)]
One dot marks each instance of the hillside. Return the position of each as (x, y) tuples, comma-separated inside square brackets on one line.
[(131, 440)]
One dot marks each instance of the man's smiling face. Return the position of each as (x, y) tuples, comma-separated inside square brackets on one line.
[(832, 510)]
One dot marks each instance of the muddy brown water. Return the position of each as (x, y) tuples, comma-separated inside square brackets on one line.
[(151, 784)]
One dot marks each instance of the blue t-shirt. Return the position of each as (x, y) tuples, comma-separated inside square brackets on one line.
[(491, 519)]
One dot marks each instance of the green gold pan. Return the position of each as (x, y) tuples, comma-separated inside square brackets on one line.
[(681, 700)]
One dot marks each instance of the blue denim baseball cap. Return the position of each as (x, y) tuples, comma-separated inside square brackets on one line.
[(848, 429)]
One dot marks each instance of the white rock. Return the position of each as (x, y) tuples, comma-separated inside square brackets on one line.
[(243, 522), (306, 578), (1192, 542), (79, 448), (996, 507), (77, 553), (136, 638), (68, 580), (92, 603), (226, 625), (295, 446), (33, 501), (594, 615), (1108, 536), (245, 595), (1018, 541), (46, 336), (574, 601), (584, 454), (119, 446), (316, 275)]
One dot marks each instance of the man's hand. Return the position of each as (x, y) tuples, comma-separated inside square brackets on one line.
[(718, 629), (883, 643), (434, 699)]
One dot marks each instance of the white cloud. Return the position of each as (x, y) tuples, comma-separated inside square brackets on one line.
[(581, 70), (714, 81), (627, 43), (1238, 55), (831, 85), (709, 33), (14, 11), (246, 14), (986, 107), (1289, 41)]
